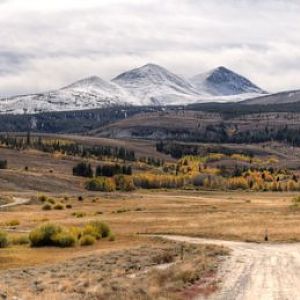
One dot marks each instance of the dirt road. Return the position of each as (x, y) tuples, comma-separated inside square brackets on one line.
[(256, 271)]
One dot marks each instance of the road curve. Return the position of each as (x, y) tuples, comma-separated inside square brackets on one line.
[(256, 271), (16, 201)]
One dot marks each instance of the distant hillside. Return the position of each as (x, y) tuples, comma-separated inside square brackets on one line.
[(279, 98)]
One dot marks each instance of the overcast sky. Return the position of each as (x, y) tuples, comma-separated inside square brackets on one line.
[(47, 44)]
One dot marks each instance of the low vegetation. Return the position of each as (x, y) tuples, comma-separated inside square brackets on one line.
[(3, 239), (54, 235)]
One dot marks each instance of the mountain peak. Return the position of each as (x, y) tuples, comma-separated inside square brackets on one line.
[(87, 82), (154, 84), (223, 81), (149, 71)]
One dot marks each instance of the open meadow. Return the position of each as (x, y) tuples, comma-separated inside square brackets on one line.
[(38, 189)]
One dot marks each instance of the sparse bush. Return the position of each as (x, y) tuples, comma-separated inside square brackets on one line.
[(59, 206), (91, 230), (43, 236), (43, 198), (97, 229), (79, 214), (121, 210), (64, 239), (69, 206), (50, 200), (164, 258), (76, 232), (20, 240), (80, 198), (3, 239), (87, 240), (12, 223), (102, 228), (47, 206)]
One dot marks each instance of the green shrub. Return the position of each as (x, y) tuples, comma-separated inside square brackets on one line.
[(47, 206), (102, 184), (43, 235), (79, 214), (87, 240), (3, 239), (101, 228), (43, 198), (64, 239), (92, 231), (59, 206), (50, 200), (76, 232)]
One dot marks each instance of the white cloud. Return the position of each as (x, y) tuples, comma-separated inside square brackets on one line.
[(47, 44)]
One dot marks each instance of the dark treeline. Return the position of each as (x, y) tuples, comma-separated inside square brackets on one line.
[(87, 120), (84, 169), (66, 147), (237, 109), (219, 134), (178, 150), (69, 121), (112, 170), (3, 164)]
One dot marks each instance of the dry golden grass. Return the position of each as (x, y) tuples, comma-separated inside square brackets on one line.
[(236, 215), (135, 273)]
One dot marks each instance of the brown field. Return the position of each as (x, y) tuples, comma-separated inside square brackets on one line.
[(237, 216), (133, 217)]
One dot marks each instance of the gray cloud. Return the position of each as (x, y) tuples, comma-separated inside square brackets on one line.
[(45, 46)]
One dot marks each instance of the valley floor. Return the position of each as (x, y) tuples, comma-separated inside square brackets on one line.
[(193, 260)]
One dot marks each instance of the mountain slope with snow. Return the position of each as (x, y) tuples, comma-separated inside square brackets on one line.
[(88, 93), (224, 82), (148, 85), (153, 84)]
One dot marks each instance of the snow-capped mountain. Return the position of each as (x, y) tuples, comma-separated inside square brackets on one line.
[(224, 82), (88, 93), (153, 84), (147, 85)]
